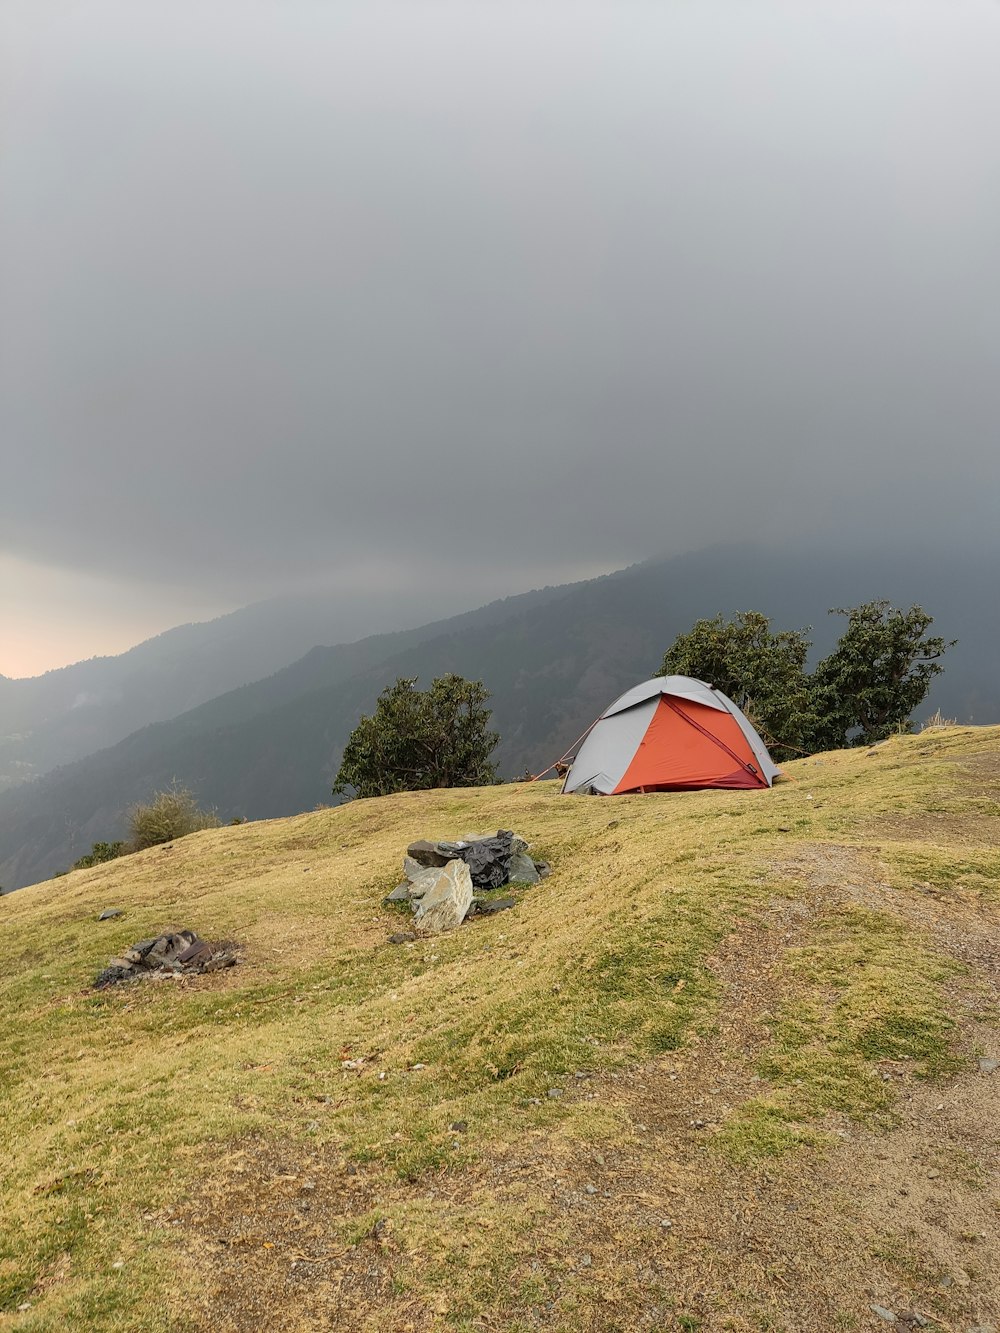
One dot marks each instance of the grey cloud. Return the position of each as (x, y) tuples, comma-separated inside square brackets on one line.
[(297, 288)]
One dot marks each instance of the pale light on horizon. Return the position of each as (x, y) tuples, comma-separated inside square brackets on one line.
[(53, 617)]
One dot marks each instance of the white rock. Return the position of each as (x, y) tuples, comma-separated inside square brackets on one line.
[(444, 904), (424, 878)]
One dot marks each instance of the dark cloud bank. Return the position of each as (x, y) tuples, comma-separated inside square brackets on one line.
[(420, 293)]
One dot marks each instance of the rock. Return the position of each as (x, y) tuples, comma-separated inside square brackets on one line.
[(111, 976), (888, 1315), (989, 1066), (110, 914), (426, 853), (400, 894), (198, 952), (543, 868), (402, 937), (168, 947), (554, 1092), (425, 878), (490, 906), (444, 905), (219, 961), (459, 1126), (521, 869), (411, 868)]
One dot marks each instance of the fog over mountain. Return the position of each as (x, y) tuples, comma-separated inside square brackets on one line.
[(459, 299)]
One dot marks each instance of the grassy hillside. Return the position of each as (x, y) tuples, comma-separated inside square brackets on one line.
[(720, 1071)]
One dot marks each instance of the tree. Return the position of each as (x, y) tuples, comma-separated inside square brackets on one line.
[(419, 739), (879, 672), (99, 853), (170, 814), (763, 672)]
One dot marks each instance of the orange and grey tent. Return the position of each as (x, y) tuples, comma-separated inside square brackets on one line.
[(670, 734)]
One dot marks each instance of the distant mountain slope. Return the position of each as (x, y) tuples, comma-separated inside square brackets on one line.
[(552, 664), (66, 714)]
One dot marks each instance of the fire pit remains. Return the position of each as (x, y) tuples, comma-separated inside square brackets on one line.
[(174, 953)]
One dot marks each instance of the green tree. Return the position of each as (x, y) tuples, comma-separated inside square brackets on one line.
[(99, 853), (879, 672), (419, 739), (761, 670)]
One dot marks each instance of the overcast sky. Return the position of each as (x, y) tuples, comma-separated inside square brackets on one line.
[(479, 295)]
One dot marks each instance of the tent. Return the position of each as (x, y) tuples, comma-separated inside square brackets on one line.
[(670, 734)]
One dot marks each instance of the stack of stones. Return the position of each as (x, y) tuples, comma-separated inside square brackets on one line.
[(441, 878), (174, 953)]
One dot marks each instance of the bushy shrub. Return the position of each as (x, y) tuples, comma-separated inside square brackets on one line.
[(99, 853), (169, 815)]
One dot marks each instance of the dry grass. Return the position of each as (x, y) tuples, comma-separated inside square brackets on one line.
[(196, 1153)]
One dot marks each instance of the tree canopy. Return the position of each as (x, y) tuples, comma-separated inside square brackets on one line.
[(760, 670), (879, 672), (866, 689), (419, 739)]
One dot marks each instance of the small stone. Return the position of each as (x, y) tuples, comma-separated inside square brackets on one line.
[(459, 1126), (947, 1281), (888, 1315), (402, 937), (585, 1260), (490, 906), (784, 828), (666, 1223), (110, 913), (989, 1066), (933, 1174), (590, 1189), (400, 894), (554, 1092)]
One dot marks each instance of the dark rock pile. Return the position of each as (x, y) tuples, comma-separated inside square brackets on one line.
[(441, 878), (171, 954)]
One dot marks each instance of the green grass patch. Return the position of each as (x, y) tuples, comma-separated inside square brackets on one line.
[(866, 990)]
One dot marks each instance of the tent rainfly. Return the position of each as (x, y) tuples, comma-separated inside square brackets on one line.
[(670, 734)]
